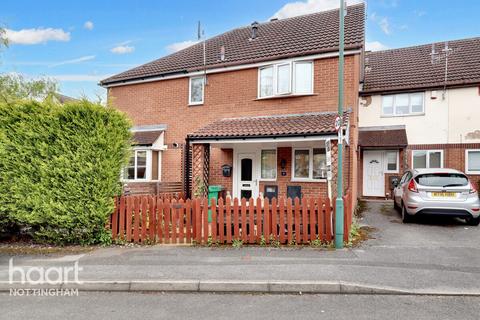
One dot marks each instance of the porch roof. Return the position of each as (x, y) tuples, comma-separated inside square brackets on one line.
[(147, 135), (382, 137), (288, 125)]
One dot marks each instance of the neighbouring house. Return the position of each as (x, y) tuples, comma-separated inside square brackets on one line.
[(419, 108), (255, 114)]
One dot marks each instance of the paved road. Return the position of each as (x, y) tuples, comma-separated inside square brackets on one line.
[(228, 306), (438, 254)]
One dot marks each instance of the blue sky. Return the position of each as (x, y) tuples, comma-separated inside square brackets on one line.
[(80, 42)]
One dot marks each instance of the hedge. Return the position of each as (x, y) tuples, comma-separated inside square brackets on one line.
[(60, 168)]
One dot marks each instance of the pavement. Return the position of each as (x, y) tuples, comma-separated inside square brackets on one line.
[(131, 306), (434, 256)]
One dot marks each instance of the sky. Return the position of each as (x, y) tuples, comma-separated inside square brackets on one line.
[(78, 43)]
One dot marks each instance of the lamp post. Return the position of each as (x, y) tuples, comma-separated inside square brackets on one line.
[(339, 201)]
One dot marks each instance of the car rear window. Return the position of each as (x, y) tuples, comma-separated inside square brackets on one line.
[(442, 180)]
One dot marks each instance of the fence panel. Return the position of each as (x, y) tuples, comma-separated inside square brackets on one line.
[(168, 220)]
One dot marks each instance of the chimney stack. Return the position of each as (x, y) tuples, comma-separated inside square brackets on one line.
[(254, 29)]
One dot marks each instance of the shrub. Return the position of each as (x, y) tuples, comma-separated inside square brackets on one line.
[(59, 168)]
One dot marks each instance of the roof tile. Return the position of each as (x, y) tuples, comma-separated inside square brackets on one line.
[(297, 36), (412, 67), (270, 126)]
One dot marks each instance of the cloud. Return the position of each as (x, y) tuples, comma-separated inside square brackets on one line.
[(122, 49), (382, 22), (73, 61), (297, 8), (88, 25), (419, 13), (384, 25), (375, 46), (36, 35), (177, 46)]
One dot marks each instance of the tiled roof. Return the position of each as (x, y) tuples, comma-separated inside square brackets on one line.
[(382, 137), (145, 138), (297, 36), (306, 124), (412, 67)]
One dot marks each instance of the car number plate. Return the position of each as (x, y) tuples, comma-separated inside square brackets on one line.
[(443, 194)]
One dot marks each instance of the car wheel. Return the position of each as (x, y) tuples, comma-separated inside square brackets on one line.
[(406, 218), (473, 221)]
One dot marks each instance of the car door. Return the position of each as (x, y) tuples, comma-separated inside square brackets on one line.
[(398, 191)]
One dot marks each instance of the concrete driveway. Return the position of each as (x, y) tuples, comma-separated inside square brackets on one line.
[(423, 232)]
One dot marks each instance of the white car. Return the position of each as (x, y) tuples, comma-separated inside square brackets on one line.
[(437, 192)]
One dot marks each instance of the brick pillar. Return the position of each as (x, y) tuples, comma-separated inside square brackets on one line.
[(200, 169)]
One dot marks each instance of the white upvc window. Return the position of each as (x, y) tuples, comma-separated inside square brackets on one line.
[(309, 164), (287, 78), (196, 90), (427, 159), (268, 165), (472, 161), (139, 165), (391, 161), (403, 104)]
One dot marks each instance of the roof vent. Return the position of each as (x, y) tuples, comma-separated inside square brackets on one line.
[(254, 29), (274, 19)]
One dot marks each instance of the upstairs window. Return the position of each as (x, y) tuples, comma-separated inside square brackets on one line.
[(282, 79), (403, 104), (196, 91)]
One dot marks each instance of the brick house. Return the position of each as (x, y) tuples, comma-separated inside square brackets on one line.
[(254, 114), (417, 111)]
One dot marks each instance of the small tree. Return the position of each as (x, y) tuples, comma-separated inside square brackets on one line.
[(14, 87)]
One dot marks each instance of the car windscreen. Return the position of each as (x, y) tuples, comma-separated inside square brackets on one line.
[(442, 180)]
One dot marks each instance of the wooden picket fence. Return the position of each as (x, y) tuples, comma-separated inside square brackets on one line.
[(157, 219)]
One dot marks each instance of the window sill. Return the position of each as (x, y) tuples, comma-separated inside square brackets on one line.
[(403, 115), (309, 180), (195, 104), (267, 180), (286, 96), (138, 180)]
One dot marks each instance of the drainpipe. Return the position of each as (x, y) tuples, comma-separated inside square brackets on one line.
[(339, 201), (186, 170)]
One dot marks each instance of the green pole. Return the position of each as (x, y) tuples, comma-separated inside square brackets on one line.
[(339, 201)]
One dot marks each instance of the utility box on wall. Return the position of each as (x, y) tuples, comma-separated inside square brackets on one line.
[(271, 192)]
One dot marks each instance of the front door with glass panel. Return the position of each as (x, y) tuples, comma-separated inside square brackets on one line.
[(247, 180)]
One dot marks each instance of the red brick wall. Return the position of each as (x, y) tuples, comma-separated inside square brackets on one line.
[(229, 94)]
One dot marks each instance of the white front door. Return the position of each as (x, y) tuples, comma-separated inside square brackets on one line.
[(373, 174), (247, 176)]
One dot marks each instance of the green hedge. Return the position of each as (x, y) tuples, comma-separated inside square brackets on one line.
[(59, 169)]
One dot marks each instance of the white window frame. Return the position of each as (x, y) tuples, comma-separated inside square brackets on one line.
[(195, 103), (291, 91), (428, 157), (310, 166), (276, 164), (148, 169), (410, 112), (386, 161), (475, 172), (294, 73)]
